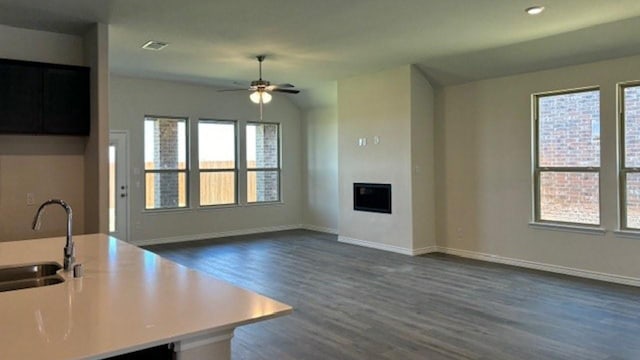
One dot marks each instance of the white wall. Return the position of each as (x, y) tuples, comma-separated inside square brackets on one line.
[(47, 166), (423, 162), (42, 46), (96, 54), (133, 98), (390, 105), (484, 165), (320, 171)]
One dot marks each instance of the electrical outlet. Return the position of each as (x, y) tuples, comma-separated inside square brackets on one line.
[(31, 200)]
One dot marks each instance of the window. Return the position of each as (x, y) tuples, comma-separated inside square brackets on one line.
[(165, 162), (217, 162), (567, 157), (630, 157), (263, 162)]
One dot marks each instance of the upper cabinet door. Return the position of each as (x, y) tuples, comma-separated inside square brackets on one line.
[(20, 98), (66, 103)]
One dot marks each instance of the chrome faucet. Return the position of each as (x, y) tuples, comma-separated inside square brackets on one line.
[(69, 251)]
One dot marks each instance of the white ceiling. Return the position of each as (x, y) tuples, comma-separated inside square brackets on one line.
[(314, 43)]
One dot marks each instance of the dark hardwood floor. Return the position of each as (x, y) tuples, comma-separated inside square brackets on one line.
[(358, 303)]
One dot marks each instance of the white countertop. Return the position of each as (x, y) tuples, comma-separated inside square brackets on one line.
[(128, 299)]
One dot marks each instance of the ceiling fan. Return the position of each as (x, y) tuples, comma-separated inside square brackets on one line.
[(261, 88)]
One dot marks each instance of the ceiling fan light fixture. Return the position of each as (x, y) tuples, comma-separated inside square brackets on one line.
[(260, 97), (534, 10)]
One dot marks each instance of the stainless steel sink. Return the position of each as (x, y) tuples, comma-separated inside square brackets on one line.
[(29, 276)]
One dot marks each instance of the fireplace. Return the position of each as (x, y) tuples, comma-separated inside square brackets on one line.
[(372, 197)]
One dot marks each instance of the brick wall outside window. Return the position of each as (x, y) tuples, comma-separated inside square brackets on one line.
[(569, 136), (632, 154), (165, 162), (165, 143), (267, 156)]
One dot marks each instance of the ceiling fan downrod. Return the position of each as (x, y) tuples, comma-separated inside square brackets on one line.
[(260, 60)]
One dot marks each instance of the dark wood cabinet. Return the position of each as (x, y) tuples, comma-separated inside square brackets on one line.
[(39, 98), (65, 108), (20, 99)]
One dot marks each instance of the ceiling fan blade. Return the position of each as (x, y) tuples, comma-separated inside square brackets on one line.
[(279, 86), (263, 85), (289, 91)]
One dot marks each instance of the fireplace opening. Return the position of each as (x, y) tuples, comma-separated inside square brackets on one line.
[(372, 197)]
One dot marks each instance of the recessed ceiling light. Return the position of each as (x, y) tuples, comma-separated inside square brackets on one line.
[(534, 10), (154, 45)]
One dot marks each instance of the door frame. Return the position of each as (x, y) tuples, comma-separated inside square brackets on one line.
[(123, 135)]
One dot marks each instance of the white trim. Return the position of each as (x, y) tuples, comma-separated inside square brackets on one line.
[(374, 245), (424, 250), (628, 234), (127, 150), (319, 229), (183, 238), (618, 279), (596, 230), (387, 247)]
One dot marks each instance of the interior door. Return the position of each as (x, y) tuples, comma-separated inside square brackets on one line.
[(118, 186)]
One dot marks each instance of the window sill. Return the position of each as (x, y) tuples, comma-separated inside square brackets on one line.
[(568, 228), (216, 207), (166, 211), (209, 208), (265, 203), (629, 234)]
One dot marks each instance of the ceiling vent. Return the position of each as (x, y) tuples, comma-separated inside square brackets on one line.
[(154, 45)]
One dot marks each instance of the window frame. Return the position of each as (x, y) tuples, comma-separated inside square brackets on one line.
[(235, 170), (186, 169), (537, 170), (278, 169), (623, 170)]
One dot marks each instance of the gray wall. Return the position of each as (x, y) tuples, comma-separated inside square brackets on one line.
[(482, 140), (396, 107), (423, 184), (320, 173), (368, 106), (484, 171), (133, 98)]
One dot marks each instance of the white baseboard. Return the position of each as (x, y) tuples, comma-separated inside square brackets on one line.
[(182, 238), (319, 229), (386, 247), (618, 279), (424, 250)]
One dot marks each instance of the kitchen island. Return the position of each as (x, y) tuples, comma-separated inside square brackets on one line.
[(128, 299)]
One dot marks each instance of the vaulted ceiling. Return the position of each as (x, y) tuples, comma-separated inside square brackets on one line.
[(314, 43)]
